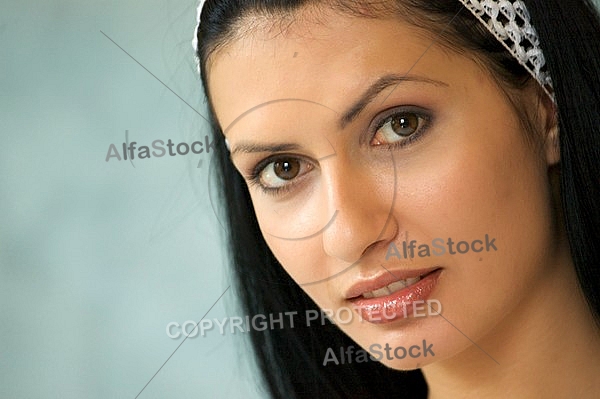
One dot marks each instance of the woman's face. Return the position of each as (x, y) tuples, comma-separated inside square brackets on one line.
[(357, 137)]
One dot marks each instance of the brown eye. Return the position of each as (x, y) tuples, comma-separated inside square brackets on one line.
[(286, 169), (399, 127), (404, 125), (282, 171)]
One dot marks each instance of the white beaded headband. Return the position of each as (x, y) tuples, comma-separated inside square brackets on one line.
[(508, 21)]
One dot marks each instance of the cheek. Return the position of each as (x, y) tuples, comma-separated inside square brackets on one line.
[(477, 175), (484, 181), (290, 229)]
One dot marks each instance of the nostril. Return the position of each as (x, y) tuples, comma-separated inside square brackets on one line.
[(371, 247)]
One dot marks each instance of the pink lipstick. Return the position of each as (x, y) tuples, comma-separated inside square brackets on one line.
[(392, 296)]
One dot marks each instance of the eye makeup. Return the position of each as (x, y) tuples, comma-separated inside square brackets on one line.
[(394, 128)]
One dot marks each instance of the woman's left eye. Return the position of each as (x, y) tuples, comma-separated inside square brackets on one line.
[(400, 127)]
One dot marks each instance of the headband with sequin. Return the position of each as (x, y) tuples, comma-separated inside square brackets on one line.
[(510, 23)]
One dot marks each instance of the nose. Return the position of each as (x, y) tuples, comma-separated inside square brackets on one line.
[(363, 205)]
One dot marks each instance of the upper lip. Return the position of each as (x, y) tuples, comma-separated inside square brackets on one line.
[(384, 279)]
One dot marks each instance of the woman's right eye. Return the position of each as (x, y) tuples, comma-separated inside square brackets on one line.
[(279, 173)]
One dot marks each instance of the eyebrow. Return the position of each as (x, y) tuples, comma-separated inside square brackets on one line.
[(376, 88), (353, 112), (249, 148)]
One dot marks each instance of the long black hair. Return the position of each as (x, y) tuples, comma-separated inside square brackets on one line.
[(290, 358)]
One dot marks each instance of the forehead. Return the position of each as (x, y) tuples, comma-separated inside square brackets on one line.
[(326, 59)]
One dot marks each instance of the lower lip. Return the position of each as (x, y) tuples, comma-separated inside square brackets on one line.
[(400, 304)]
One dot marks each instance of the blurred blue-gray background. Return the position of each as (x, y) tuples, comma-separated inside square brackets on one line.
[(96, 257)]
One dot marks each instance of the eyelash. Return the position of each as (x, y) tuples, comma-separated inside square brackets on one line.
[(254, 177), (386, 116)]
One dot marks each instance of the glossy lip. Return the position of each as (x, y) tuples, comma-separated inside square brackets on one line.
[(384, 279), (400, 304)]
